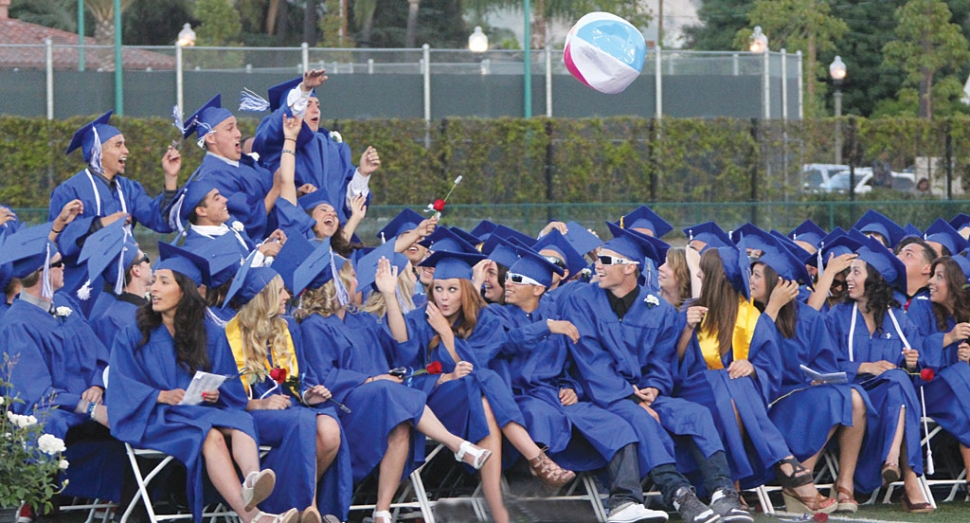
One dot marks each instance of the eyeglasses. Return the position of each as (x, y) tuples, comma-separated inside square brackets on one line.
[(58, 264), (555, 261), (143, 259), (606, 259), (838, 284), (520, 279)]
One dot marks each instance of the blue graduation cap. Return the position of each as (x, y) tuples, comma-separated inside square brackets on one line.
[(556, 242), (296, 249), (109, 252), (737, 268), (632, 245), (192, 195), (875, 222), (808, 232), (836, 243), (367, 265), (790, 244), (467, 236), (709, 233), (500, 250), (912, 230), (884, 261), (247, 283), (206, 118), (581, 239), (406, 220), (222, 259), (964, 264), (757, 238), (310, 201), (277, 93), (443, 239), (960, 221), (943, 233), (186, 263), (90, 137), (483, 230), (789, 266), (28, 250), (643, 217), (449, 264), (533, 265), (320, 267), (508, 233)]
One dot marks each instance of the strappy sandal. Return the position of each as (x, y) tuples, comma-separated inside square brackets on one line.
[(795, 503), (847, 502), (478, 455), (290, 516), (257, 487), (549, 472), (890, 473), (382, 516), (916, 508)]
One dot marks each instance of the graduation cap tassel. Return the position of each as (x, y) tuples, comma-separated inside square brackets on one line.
[(120, 278), (820, 261), (95, 161), (177, 117), (47, 290), (343, 297), (401, 302), (252, 102), (84, 293), (930, 469)]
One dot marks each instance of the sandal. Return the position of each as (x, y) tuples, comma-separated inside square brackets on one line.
[(916, 508), (890, 473), (548, 471), (479, 455), (290, 516), (847, 502), (382, 516), (311, 515), (257, 487), (799, 477)]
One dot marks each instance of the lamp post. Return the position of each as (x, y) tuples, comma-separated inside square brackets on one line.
[(757, 42), (527, 41), (186, 38), (837, 72), (478, 43), (119, 63), (80, 35)]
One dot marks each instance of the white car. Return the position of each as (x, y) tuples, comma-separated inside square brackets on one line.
[(816, 174), (839, 183)]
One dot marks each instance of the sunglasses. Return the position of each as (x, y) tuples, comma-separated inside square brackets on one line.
[(57, 264), (520, 279), (143, 259), (556, 261), (606, 259)]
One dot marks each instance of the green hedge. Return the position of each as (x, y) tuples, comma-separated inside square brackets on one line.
[(541, 160)]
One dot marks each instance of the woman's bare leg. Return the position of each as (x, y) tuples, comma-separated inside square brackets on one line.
[(492, 470), (392, 465)]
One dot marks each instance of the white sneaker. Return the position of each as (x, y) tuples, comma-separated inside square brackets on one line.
[(636, 513), (257, 487)]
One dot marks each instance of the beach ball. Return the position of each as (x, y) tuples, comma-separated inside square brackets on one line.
[(605, 52)]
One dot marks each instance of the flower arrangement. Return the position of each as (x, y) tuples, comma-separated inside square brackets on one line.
[(439, 205), (30, 460)]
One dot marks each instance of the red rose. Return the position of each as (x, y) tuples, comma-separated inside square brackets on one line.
[(927, 374), (434, 367), (439, 205), (820, 517), (278, 375)]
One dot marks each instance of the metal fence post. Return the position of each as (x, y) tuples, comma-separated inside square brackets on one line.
[(754, 170), (801, 87), (949, 160), (767, 87), (426, 51), (305, 48), (49, 44), (784, 85), (179, 79), (659, 85), (119, 64), (548, 81)]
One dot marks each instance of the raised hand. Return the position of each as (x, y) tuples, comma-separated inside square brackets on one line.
[(313, 78), (386, 278), (369, 161)]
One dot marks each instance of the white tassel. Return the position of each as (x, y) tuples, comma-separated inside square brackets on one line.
[(120, 274), (84, 293), (343, 297), (252, 102), (383, 239), (177, 116), (930, 469), (95, 161), (47, 290), (401, 302), (820, 260)]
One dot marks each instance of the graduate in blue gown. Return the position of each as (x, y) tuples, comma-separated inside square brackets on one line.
[(831, 263), (315, 217), (880, 346), (946, 392), (349, 354), (290, 415), (374, 302), (323, 160), (626, 341), (808, 414), (917, 255), (728, 362), (473, 402), (106, 194), (152, 366), (59, 365)]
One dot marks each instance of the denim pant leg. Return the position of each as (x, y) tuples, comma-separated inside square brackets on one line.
[(669, 480), (714, 470), (625, 477)]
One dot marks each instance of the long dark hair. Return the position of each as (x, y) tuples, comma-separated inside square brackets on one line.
[(342, 246), (958, 296), (191, 351), (720, 298), (788, 315), (878, 294)]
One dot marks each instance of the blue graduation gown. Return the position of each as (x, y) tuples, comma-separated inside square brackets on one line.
[(245, 186), (319, 160), (58, 358), (342, 354), (539, 371), (751, 458), (802, 412), (919, 310), (195, 242), (946, 394), (457, 403), (613, 355), (140, 373), (119, 314), (292, 433), (887, 392)]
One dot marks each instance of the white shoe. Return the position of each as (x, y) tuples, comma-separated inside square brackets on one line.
[(636, 513), (478, 454), (257, 487), (290, 516), (382, 516)]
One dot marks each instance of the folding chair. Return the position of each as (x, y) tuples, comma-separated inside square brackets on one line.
[(414, 486), (92, 506)]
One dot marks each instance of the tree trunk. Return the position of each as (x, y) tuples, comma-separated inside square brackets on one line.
[(274, 7), (281, 22), (411, 34), (811, 64), (926, 95), (310, 23)]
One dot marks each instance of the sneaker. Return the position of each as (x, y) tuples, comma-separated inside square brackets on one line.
[(636, 513), (726, 502), (26, 514), (691, 509)]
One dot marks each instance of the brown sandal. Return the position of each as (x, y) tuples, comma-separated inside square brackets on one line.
[(549, 472), (847, 502), (801, 476), (916, 508), (890, 473)]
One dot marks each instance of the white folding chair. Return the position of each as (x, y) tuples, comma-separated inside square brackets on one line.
[(413, 489)]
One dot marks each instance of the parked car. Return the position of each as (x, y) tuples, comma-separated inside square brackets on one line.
[(839, 183), (816, 174)]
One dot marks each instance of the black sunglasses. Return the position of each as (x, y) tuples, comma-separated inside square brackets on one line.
[(555, 261), (57, 264)]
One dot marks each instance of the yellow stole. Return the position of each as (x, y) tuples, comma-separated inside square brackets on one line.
[(286, 361), (741, 341)]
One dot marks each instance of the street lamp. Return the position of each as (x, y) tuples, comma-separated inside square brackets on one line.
[(758, 42), (186, 36), (837, 72), (478, 41)]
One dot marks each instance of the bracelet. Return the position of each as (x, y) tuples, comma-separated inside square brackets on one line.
[(56, 231), (289, 151), (90, 410), (290, 139)]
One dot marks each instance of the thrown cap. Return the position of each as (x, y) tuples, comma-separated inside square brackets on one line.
[(277, 94)]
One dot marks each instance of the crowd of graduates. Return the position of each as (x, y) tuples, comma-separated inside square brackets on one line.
[(709, 369)]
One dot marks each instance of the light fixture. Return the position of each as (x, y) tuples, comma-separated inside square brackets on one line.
[(758, 42), (837, 69), (478, 41), (186, 36)]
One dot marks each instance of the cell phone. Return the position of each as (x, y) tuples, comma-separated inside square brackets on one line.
[(398, 372)]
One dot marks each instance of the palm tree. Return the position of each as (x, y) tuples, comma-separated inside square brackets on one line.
[(104, 13), (411, 33)]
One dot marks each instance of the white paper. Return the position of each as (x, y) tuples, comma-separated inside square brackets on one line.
[(201, 382), (832, 377)]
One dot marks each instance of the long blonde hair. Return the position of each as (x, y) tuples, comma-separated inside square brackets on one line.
[(264, 330), (323, 300), (677, 261), (375, 303), (472, 304)]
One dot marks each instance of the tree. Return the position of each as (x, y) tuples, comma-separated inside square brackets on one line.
[(720, 20), (103, 12), (927, 44), (798, 25), (59, 14), (413, 7), (158, 23), (219, 23)]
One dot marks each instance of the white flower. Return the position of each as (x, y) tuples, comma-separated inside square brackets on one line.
[(63, 312), (63, 464), (2, 399), (238, 226), (50, 444), (27, 421), (652, 301), (335, 136)]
